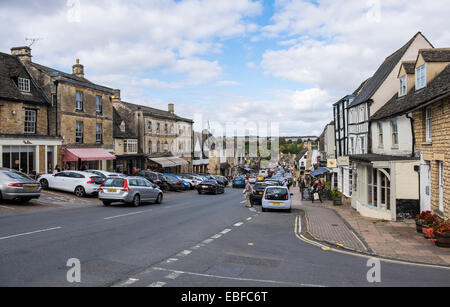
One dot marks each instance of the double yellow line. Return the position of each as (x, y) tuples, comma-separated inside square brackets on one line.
[(299, 234)]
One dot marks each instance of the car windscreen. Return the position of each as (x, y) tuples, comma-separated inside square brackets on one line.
[(276, 193), (114, 182), (209, 182)]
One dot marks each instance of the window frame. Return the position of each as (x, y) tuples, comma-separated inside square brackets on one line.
[(428, 124), (24, 84), (394, 123), (403, 90), (421, 77), (98, 134), (79, 134), (33, 123), (79, 102), (98, 104), (380, 135)]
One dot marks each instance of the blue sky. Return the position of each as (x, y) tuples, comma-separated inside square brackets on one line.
[(277, 61)]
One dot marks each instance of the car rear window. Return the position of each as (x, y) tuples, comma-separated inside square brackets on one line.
[(261, 186), (16, 175), (114, 183), (276, 193)]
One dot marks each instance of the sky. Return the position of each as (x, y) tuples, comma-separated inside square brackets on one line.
[(283, 62)]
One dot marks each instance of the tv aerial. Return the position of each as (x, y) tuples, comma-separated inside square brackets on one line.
[(32, 40)]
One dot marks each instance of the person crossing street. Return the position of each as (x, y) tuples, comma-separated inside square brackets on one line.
[(248, 192)]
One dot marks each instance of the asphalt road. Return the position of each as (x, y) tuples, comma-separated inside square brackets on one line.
[(189, 240)]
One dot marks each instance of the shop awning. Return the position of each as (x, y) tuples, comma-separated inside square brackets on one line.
[(319, 172), (87, 154), (169, 161)]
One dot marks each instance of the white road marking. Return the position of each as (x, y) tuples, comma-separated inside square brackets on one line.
[(207, 241), (240, 279), (184, 253), (238, 224), (157, 284), (129, 282), (243, 202), (123, 215), (174, 275), (171, 260), (30, 233), (249, 218), (225, 231), (197, 246), (217, 236)]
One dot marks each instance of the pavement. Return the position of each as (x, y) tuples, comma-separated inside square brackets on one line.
[(343, 225)]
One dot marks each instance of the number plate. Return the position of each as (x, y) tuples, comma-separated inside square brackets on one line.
[(205, 186), (112, 191), (277, 204), (260, 193), (30, 188)]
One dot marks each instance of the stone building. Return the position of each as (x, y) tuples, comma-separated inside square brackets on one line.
[(27, 143), (80, 113), (164, 137)]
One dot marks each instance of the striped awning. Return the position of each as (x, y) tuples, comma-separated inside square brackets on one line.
[(169, 161)]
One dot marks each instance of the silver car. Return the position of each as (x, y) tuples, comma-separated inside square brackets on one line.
[(130, 190), (15, 185)]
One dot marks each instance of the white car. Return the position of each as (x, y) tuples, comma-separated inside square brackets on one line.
[(252, 180), (277, 198), (79, 183), (105, 174)]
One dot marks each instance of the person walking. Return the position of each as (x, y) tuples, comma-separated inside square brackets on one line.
[(302, 186), (316, 191), (248, 192)]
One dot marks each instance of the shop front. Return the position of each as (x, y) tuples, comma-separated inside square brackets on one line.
[(32, 157), (87, 158), (171, 165), (127, 163)]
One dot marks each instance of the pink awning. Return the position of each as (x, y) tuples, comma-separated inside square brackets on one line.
[(87, 154)]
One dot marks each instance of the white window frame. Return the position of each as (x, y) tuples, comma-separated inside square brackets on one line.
[(79, 133), (99, 133), (394, 123), (98, 104), (428, 124), (402, 91), (380, 135), (79, 103), (30, 121), (421, 77), (441, 186), (23, 84)]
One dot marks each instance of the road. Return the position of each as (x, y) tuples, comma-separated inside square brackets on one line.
[(188, 240)]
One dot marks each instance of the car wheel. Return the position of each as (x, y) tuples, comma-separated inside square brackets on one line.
[(263, 209), (159, 198), (106, 203), (1, 197), (136, 200), (25, 200), (79, 191), (200, 192), (44, 184)]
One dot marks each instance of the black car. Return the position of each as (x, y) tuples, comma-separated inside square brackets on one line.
[(221, 180), (156, 178), (210, 186), (258, 191)]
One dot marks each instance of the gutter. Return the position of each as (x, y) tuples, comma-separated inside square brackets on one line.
[(413, 134)]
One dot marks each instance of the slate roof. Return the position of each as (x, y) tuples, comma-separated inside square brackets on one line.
[(436, 54), (156, 112), (301, 154), (10, 69), (70, 78), (438, 87), (117, 121), (410, 67), (381, 74)]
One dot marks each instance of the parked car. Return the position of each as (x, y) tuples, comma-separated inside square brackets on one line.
[(258, 191), (80, 183), (130, 190), (194, 181), (210, 186), (174, 183), (238, 182), (277, 198), (221, 180), (252, 179), (105, 174), (156, 178), (15, 185)]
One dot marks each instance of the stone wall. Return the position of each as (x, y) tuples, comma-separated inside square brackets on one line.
[(12, 117)]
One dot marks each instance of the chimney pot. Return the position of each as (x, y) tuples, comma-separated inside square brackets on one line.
[(171, 108), (23, 53), (78, 69), (116, 94)]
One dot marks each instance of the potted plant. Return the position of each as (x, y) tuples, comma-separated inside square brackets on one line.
[(441, 232), (423, 220), (419, 222), (336, 196)]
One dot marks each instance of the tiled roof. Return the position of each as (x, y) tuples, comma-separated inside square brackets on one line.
[(438, 87), (436, 55), (118, 119), (410, 67), (10, 69), (62, 76), (372, 84), (156, 112)]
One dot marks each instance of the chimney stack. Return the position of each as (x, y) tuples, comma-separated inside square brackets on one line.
[(171, 108), (23, 53), (116, 95), (78, 69)]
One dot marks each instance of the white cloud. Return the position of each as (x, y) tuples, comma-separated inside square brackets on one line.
[(227, 83), (336, 46)]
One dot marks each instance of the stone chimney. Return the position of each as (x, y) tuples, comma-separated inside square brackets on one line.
[(171, 108), (78, 69), (23, 53), (116, 95)]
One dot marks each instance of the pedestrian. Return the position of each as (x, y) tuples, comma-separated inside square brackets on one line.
[(295, 181), (316, 191), (57, 169), (248, 192), (302, 186)]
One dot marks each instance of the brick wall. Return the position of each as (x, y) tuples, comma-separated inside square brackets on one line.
[(436, 151)]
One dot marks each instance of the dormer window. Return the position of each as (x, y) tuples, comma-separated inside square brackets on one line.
[(23, 85), (421, 80), (403, 86)]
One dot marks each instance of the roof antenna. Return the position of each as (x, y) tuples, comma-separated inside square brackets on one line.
[(33, 40)]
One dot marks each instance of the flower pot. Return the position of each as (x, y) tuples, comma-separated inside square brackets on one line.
[(337, 202), (442, 240), (419, 227)]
